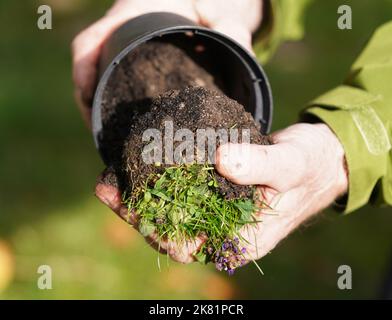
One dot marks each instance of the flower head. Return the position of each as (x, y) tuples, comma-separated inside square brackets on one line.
[(230, 257)]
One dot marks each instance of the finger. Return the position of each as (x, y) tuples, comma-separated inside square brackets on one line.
[(183, 252), (248, 12), (238, 32), (107, 191), (237, 19), (84, 108), (279, 166), (274, 225), (86, 48), (264, 196), (154, 242), (110, 195)]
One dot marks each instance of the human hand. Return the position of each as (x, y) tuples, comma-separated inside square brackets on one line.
[(111, 196), (302, 173), (237, 19), (86, 46)]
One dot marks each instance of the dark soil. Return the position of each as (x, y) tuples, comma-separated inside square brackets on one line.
[(192, 108), (150, 70), (159, 82)]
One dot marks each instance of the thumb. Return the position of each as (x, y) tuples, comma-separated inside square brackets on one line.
[(280, 166)]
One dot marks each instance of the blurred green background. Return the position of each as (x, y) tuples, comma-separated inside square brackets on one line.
[(48, 165)]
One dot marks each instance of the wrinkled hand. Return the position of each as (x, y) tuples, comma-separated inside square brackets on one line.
[(301, 174), (111, 196), (238, 19)]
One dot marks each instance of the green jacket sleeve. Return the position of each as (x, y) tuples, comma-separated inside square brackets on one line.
[(360, 114), (282, 21), (359, 111)]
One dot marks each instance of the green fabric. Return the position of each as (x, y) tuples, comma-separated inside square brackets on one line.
[(351, 114), (283, 20), (359, 111)]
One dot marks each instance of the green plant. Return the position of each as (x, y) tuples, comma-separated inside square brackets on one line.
[(183, 202)]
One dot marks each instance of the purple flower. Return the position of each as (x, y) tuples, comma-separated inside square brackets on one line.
[(230, 256), (219, 266)]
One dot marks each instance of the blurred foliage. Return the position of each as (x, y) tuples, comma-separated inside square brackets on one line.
[(48, 165)]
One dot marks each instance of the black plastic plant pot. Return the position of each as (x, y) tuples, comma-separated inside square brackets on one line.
[(240, 76)]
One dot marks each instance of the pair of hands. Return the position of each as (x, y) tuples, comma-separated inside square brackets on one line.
[(302, 173)]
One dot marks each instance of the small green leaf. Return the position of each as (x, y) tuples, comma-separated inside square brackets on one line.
[(160, 194), (246, 208), (201, 257), (146, 228), (147, 197)]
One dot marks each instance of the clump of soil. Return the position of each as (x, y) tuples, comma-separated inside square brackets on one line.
[(192, 108), (151, 69), (159, 82)]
